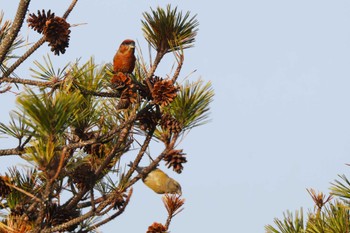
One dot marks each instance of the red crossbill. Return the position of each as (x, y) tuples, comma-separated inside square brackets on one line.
[(160, 182), (124, 59)]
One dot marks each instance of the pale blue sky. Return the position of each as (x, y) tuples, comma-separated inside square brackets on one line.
[(281, 116)]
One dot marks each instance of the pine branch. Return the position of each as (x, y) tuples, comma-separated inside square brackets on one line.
[(16, 26), (30, 51), (113, 216), (140, 154)]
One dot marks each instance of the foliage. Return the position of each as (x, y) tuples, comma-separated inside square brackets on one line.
[(73, 127), (327, 216)]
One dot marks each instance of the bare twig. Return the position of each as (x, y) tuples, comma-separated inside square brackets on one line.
[(180, 59), (140, 154), (6, 89)]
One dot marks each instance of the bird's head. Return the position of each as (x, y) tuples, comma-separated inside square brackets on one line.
[(127, 45), (174, 187)]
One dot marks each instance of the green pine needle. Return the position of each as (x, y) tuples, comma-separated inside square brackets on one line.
[(191, 106), (169, 30)]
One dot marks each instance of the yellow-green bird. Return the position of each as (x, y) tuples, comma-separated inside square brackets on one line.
[(160, 182)]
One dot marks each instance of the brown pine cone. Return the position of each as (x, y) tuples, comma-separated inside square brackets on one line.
[(56, 31), (175, 159), (170, 124), (83, 176), (127, 97), (164, 92), (148, 120), (156, 228), (120, 81)]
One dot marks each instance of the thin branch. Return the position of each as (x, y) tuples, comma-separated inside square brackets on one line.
[(113, 216), (60, 165), (88, 203), (40, 42), (26, 82), (154, 66), (117, 148), (23, 191), (101, 94), (7, 42), (180, 60), (24, 57), (6, 89), (70, 8), (140, 154), (13, 151), (81, 218)]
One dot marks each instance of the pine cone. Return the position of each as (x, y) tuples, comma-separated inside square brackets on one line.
[(127, 97), (143, 87), (120, 81), (175, 159), (61, 215), (4, 188), (83, 176), (164, 92), (169, 123), (148, 120), (38, 22), (156, 228), (56, 31)]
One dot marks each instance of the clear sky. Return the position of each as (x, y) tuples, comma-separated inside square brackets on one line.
[(280, 118)]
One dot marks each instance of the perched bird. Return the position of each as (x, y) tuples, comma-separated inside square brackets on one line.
[(160, 182), (124, 59)]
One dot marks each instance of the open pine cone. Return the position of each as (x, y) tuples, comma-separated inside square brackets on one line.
[(175, 159), (164, 92), (156, 228), (54, 28), (120, 81), (127, 97), (169, 123), (57, 32)]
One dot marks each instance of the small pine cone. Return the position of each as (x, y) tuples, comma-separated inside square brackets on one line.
[(164, 92), (56, 31), (175, 159), (120, 81), (4, 188), (156, 228), (127, 97), (169, 123), (148, 120), (61, 216), (38, 22), (83, 176)]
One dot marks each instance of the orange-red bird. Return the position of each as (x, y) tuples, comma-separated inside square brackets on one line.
[(124, 59)]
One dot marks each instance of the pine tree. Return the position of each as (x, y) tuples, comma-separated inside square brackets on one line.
[(74, 127)]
